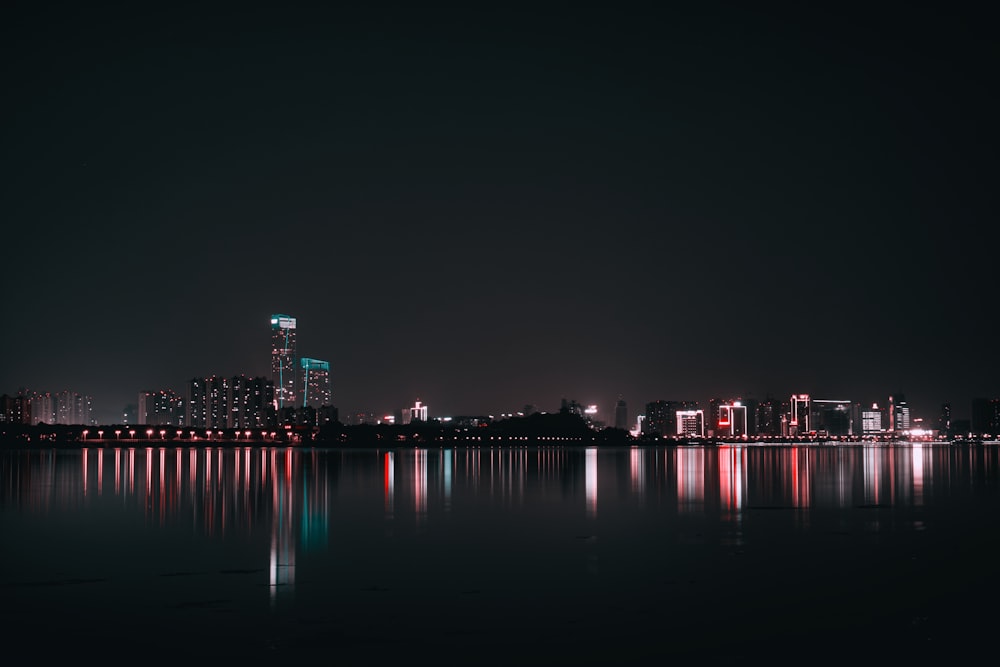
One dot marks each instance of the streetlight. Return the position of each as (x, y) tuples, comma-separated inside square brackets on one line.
[(118, 432), (85, 432), (149, 433), (163, 432)]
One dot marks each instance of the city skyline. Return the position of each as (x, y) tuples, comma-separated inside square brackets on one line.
[(482, 208), (289, 375), (298, 394)]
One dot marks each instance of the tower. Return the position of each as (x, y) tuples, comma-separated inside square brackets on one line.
[(283, 360)]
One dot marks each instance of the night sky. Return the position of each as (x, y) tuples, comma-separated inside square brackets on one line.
[(490, 205)]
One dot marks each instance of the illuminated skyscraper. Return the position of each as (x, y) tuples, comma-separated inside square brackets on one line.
[(283, 359), (315, 383)]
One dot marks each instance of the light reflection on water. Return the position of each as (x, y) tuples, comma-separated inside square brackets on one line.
[(625, 539)]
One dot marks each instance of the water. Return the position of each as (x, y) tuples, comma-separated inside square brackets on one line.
[(531, 555)]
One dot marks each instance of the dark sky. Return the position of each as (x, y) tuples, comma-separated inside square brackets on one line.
[(491, 205)]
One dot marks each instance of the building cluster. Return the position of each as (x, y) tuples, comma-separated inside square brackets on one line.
[(802, 415), (32, 407), (298, 393)]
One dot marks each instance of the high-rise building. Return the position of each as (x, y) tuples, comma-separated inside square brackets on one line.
[(284, 362), (621, 414), (768, 416), (15, 409), (197, 408), (417, 413), (899, 413), (799, 415), (871, 421), (73, 408), (751, 413), (731, 420), (260, 399), (661, 417), (315, 383), (160, 408), (43, 408), (690, 423), (236, 402), (218, 402), (944, 419), (834, 417)]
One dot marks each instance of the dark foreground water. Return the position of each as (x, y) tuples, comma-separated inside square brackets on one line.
[(519, 556)]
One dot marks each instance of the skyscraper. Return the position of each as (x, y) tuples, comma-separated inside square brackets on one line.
[(899, 413), (621, 414), (315, 383), (283, 360)]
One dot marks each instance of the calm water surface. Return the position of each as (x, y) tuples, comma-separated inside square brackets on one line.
[(533, 555)]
